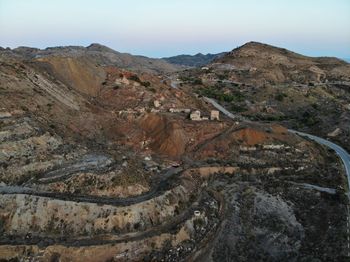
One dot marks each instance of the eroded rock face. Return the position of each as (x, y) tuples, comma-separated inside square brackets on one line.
[(275, 214), (268, 225), (40, 216), (244, 211)]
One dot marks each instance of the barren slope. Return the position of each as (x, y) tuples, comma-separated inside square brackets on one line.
[(99, 163), (261, 63)]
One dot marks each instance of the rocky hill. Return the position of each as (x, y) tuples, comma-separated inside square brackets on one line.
[(193, 60), (103, 163), (266, 83), (101, 55), (262, 63)]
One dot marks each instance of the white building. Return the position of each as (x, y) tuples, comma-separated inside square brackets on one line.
[(214, 115), (195, 115)]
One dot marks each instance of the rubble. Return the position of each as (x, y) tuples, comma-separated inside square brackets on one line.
[(180, 110), (156, 103)]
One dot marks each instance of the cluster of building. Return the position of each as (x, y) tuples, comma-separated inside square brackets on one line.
[(196, 115)]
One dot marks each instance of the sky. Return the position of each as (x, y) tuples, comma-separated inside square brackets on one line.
[(159, 28)]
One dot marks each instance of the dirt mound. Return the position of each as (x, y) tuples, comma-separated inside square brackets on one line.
[(166, 136), (279, 129), (234, 138), (79, 73), (250, 136), (222, 145)]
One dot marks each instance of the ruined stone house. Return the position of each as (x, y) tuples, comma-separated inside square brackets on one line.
[(214, 115), (195, 115)]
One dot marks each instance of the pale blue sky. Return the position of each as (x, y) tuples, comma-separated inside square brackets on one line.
[(159, 28)]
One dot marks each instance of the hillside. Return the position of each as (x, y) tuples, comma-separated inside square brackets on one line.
[(103, 163), (261, 64), (101, 55), (193, 60), (266, 83)]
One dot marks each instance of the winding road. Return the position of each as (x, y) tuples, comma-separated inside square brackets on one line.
[(162, 183), (341, 152), (221, 108)]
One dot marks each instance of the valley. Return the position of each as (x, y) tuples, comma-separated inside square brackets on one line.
[(106, 156)]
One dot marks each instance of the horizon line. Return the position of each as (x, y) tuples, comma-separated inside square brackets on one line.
[(347, 59)]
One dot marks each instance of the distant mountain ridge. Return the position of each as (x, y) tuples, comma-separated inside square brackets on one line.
[(98, 53), (193, 60)]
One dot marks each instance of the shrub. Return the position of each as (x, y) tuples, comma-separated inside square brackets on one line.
[(280, 96), (197, 81), (134, 78), (238, 108), (146, 84)]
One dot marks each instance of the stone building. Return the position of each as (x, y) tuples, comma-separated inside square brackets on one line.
[(214, 115), (195, 115)]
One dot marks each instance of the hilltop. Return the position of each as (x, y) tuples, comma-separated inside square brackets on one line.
[(100, 54), (261, 63)]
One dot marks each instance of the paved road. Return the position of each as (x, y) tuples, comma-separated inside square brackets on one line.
[(225, 111), (341, 152), (345, 157), (221, 108)]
